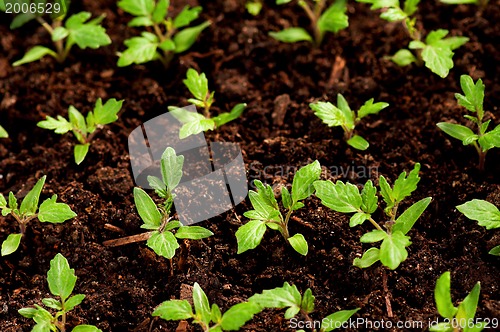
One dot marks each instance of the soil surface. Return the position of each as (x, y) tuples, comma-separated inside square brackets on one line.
[(277, 133)]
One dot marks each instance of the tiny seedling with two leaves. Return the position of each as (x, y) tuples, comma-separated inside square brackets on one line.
[(435, 51), (209, 318), (170, 36), (483, 140), (3, 133), (61, 279), (486, 215), (458, 319), (84, 129), (267, 212), (76, 30), (323, 19), (157, 218), (342, 116), (346, 198), (289, 297), (48, 211), (195, 123)]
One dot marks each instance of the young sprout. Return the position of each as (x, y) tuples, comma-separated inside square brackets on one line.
[(435, 51), (482, 139), (289, 297), (253, 7), (209, 318), (84, 129), (61, 279), (459, 318), (346, 198), (163, 230), (3, 133), (485, 213), (195, 123), (169, 37), (76, 30), (48, 211), (332, 19), (267, 213), (342, 116)]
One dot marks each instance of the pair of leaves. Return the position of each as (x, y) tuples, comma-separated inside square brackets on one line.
[(171, 171), (394, 11), (342, 116), (233, 319), (77, 31), (462, 315), (81, 127), (266, 211), (403, 187)]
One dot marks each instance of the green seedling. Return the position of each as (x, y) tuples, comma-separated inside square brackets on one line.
[(76, 30), (346, 198), (164, 231), (485, 213), (435, 51), (48, 211), (209, 318), (3, 133), (61, 279), (459, 318), (84, 129), (170, 36), (332, 19), (289, 297), (195, 123), (267, 212), (482, 140), (342, 116), (253, 7)]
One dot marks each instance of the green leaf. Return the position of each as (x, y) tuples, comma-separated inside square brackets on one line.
[(158, 185), (52, 303), (3, 133), (459, 2), (302, 186), (358, 142), (224, 118), (485, 213), (137, 7), (3, 201), (328, 113), (186, 38), (467, 308), (404, 186), (193, 232), (373, 236), (11, 244), (286, 198), (369, 198), (370, 257), (141, 21), (146, 208), (249, 235), (407, 219), (495, 251), (174, 310), (491, 139), (307, 301), (393, 249), (442, 296), (34, 54), (299, 243), (215, 314), (73, 301), (29, 204), (163, 244), (196, 127), (20, 20), (264, 201), (338, 318), (107, 113), (28, 312), (80, 152), (86, 328), (171, 168), (79, 125), (441, 327), (60, 126), (393, 15), (139, 50), (403, 58), (61, 277), (201, 305), (53, 212), (358, 219), (438, 60), (291, 35), (253, 7), (282, 2), (86, 34), (474, 94), (238, 315), (186, 16), (463, 133), (371, 108), (160, 11), (13, 202), (346, 110), (197, 84), (334, 18), (411, 6), (416, 44), (59, 33), (172, 224), (339, 197), (280, 297)]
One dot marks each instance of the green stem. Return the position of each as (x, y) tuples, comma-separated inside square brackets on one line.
[(314, 16), (284, 228)]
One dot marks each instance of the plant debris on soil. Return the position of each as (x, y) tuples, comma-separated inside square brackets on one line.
[(278, 133)]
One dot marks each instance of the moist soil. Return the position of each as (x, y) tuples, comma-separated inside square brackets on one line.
[(277, 133)]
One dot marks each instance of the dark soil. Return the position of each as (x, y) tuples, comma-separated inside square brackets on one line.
[(278, 130)]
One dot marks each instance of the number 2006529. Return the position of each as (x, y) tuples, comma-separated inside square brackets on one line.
[(35, 8)]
